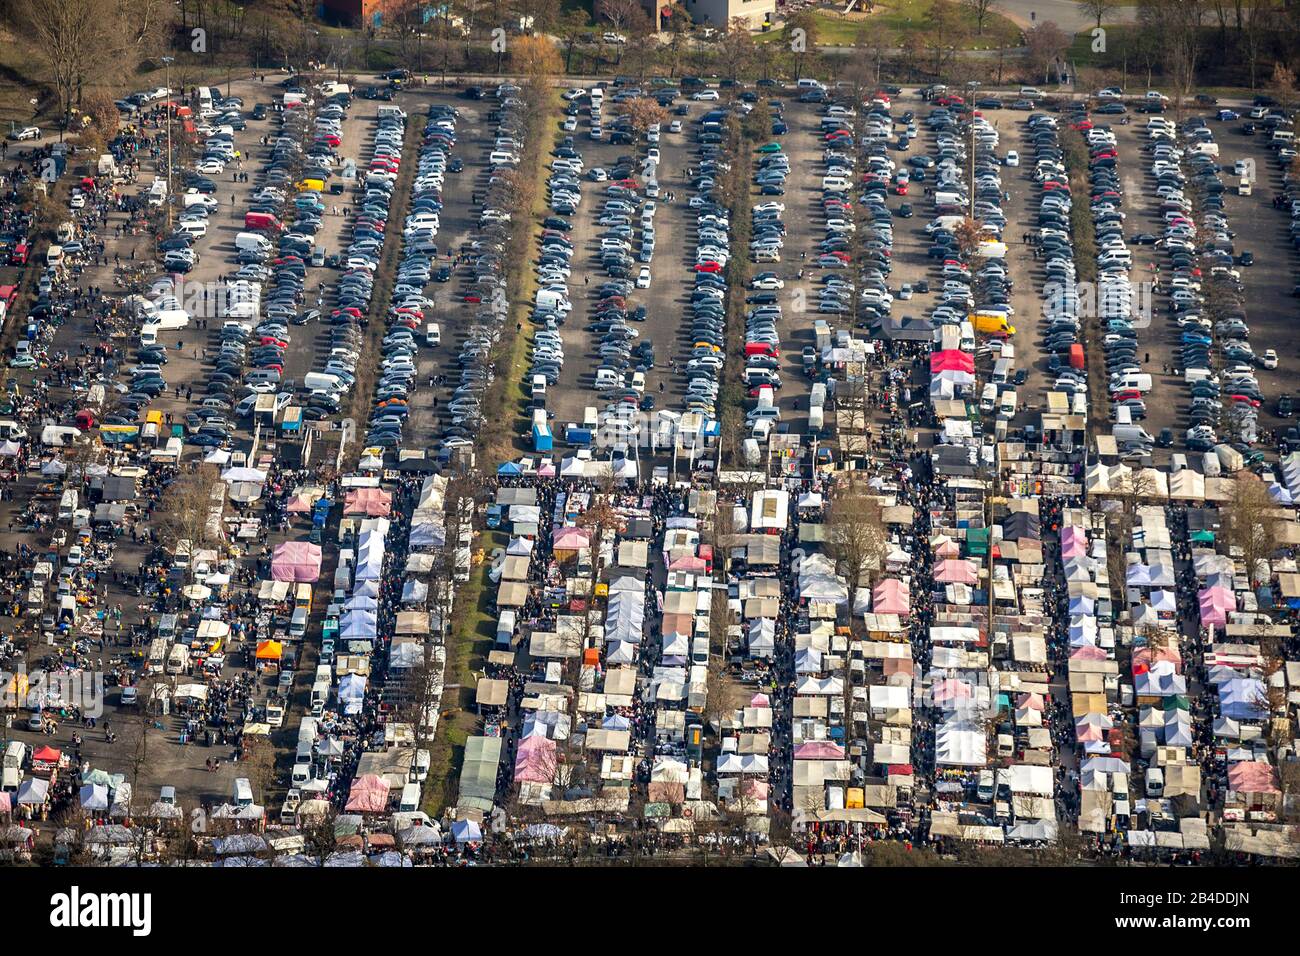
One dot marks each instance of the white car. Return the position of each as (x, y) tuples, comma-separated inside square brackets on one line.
[(598, 175), (905, 291), (27, 132), (643, 279), (613, 38), (1013, 158), (77, 200), (675, 126), (574, 93), (1269, 359), (770, 283), (705, 95)]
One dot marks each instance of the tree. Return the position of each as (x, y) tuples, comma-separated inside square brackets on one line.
[(801, 43), (1097, 9), (738, 48), (624, 16), (534, 56), (1247, 514), (643, 113), (572, 27), (1047, 42), (981, 10), (1257, 30), (1282, 85), (944, 32), (185, 509), (858, 540)]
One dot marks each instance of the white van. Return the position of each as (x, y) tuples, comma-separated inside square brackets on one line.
[(252, 242), (298, 623), (68, 504), (607, 379), (178, 659), (808, 83), (432, 334), (241, 794), (1007, 405), (392, 111), (409, 801), (989, 399), (322, 381), (1131, 382), (158, 651), (1133, 434)]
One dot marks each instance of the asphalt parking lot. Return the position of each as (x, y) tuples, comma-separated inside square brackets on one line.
[(663, 301)]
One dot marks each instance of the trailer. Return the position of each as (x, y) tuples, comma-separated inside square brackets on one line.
[(291, 423), (542, 438)]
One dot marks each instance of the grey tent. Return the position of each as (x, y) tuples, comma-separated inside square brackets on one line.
[(1021, 524), (907, 329), (117, 488)]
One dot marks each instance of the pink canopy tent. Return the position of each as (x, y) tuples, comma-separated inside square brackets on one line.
[(760, 700), (819, 750), (296, 561), (1031, 701), (1147, 655), (1251, 776), (1216, 603), (1087, 652), (571, 539), (299, 505), (755, 789), (951, 360), (950, 689), (955, 571), (369, 794), (535, 760), (1088, 731), (689, 563), (891, 596), (546, 469), (6, 806), (1074, 542), (371, 502), (947, 548)]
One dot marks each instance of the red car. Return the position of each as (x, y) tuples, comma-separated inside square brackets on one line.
[(900, 189), (1245, 400), (708, 267), (19, 255)]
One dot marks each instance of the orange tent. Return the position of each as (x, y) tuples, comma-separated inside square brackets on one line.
[(269, 650)]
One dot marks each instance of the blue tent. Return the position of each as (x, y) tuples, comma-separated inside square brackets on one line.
[(509, 468)]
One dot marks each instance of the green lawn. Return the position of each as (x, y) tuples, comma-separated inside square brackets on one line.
[(899, 18)]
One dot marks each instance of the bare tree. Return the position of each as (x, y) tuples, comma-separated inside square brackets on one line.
[(186, 507), (981, 10), (1246, 519), (1046, 42), (1098, 9)]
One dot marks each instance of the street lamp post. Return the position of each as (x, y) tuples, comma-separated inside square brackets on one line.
[(168, 60)]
